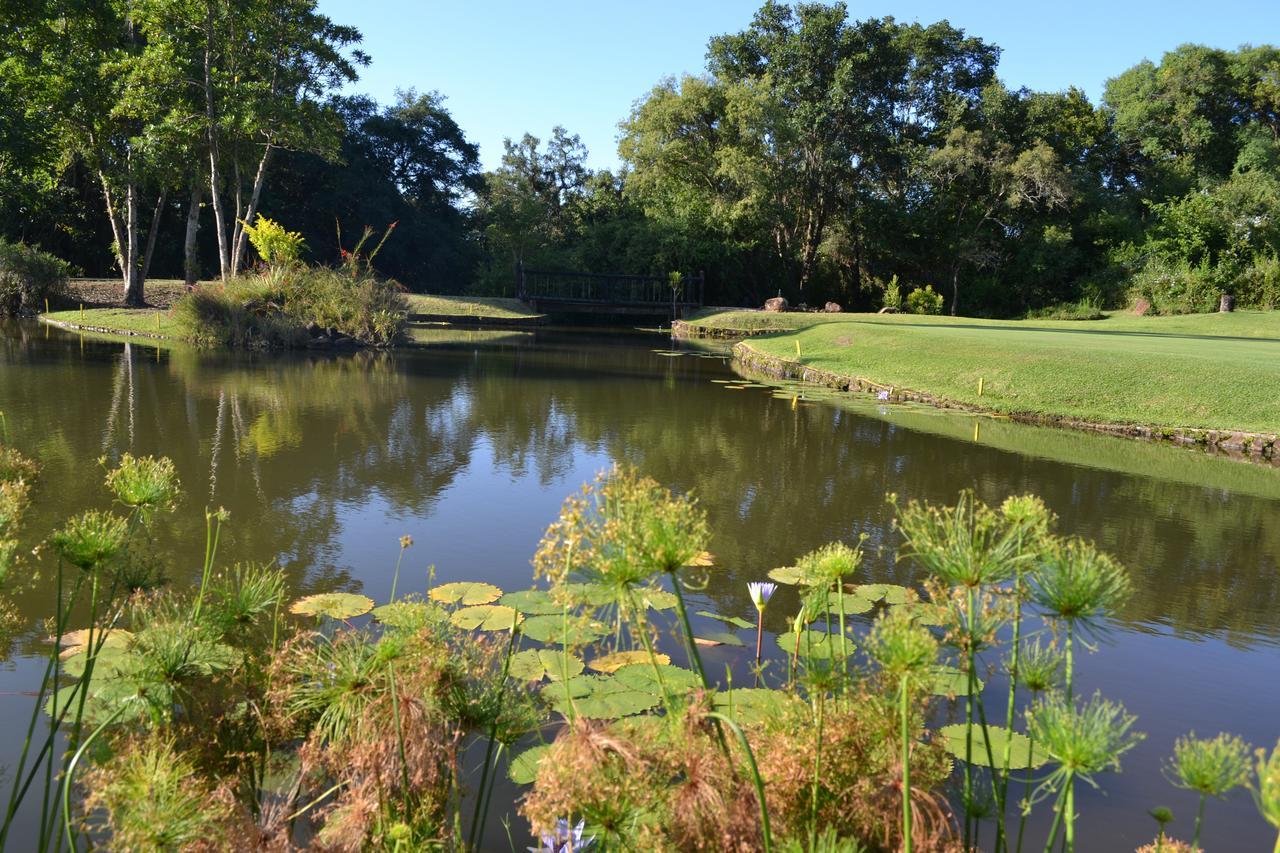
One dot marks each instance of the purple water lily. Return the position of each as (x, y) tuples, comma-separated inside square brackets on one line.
[(761, 592), (883, 395), (565, 839)]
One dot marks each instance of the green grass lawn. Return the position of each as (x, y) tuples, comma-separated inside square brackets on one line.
[(479, 307), (151, 322), (1213, 371)]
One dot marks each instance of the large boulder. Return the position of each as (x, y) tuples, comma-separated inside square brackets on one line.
[(777, 304), (832, 308)]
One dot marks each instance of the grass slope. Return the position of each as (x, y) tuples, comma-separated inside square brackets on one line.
[(1211, 371), (133, 321), (474, 307)]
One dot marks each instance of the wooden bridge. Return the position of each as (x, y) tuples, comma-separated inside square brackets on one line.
[(606, 293)]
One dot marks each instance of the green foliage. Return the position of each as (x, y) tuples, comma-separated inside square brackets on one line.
[(275, 244), (274, 308), (924, 300), (91, 540), (144, 482), (892, 294), (29, 277), (1266, 788), (1085, 737), (1210, 766)]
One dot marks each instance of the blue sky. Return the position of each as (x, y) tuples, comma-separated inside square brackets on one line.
[(511, 67)]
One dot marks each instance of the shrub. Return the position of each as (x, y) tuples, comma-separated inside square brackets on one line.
[(1177, 287), (275, 244), (1083, 309), (1259, 285), (274, 308), (28, 277), (893, 294), (924, 300)]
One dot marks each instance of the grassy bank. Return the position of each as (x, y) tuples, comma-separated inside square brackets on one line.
[(1208, 371), (470, 308), (147, 322)]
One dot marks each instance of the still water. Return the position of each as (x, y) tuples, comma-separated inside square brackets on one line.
[(470, 443)]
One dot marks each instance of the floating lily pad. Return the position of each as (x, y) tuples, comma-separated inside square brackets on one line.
[(949, 681), (111, 660), (598, 697), (854, 603), (658, 599), (815, 645), (589, 594), (334, 605), (408, 615), (617, 660), (718, 638), (736, 621), (751, 704), (889, 593), (486, 617), (536, 664), (466, 593), (1021, 755), (550, 629), (531, 602), (641, 676), (706, 558), (733, 387), (74, 642), (524, 767), (790, 575)]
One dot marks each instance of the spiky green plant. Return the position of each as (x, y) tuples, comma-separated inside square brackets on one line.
[(825, 568), (145, 482), (1209, 766), (1266, 789), (906, 653), (1079, 586), (91, 540), (245, 595), (1084, 739), (1038, 669)]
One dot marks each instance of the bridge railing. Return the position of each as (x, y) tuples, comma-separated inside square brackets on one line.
[(607, 288)]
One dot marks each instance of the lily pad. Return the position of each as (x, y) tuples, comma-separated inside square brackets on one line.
[(598, 697), (408, 615), (550, 629), (736, 621), (718, 638), (1021, 755), (854, 603), (334, 605), (790, 575), (751, 704), (74, 642), (536, 664), (616, 661), (641, 676), (486, 617), (658, 599), (531, 602), (889, 593), (466, 593), (815, 645), (949, 681), (589, 594), (524, 767), (706, 558)]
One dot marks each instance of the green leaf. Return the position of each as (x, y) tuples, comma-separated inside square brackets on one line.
[(658, 599), (598, 697), (815, 645), (335, 605), (726, 638), (524, 767), (408, 615), (641, 676), (466, 593), (617, 660), (790, 575), (854, 603), (531, 602), (589, 594), (889, 593), (751, 704), (536, 664), (736, 621), (550, 629), (949, 681), (486, 617), (953, 740)]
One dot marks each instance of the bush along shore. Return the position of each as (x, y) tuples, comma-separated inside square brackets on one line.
[(234, 714)]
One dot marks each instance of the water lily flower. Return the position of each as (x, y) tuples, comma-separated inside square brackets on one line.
[(883, 395), (761, 592), (564, 839)]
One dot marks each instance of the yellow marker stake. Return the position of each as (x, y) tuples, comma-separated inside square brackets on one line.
[(46, 305), (979, 386), (977, 431)]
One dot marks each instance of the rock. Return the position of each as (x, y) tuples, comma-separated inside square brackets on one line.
[(833, 308), (1226, 304), (1141, 308), (314, 330), (777, 304)]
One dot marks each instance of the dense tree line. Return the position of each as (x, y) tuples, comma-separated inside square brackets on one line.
[(816, 155)]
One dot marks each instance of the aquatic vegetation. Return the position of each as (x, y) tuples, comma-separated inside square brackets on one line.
[(144, 482), (1209, 766), (91, 540), (1266, 788)]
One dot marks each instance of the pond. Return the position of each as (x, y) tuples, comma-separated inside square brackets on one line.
[(470, 442)]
